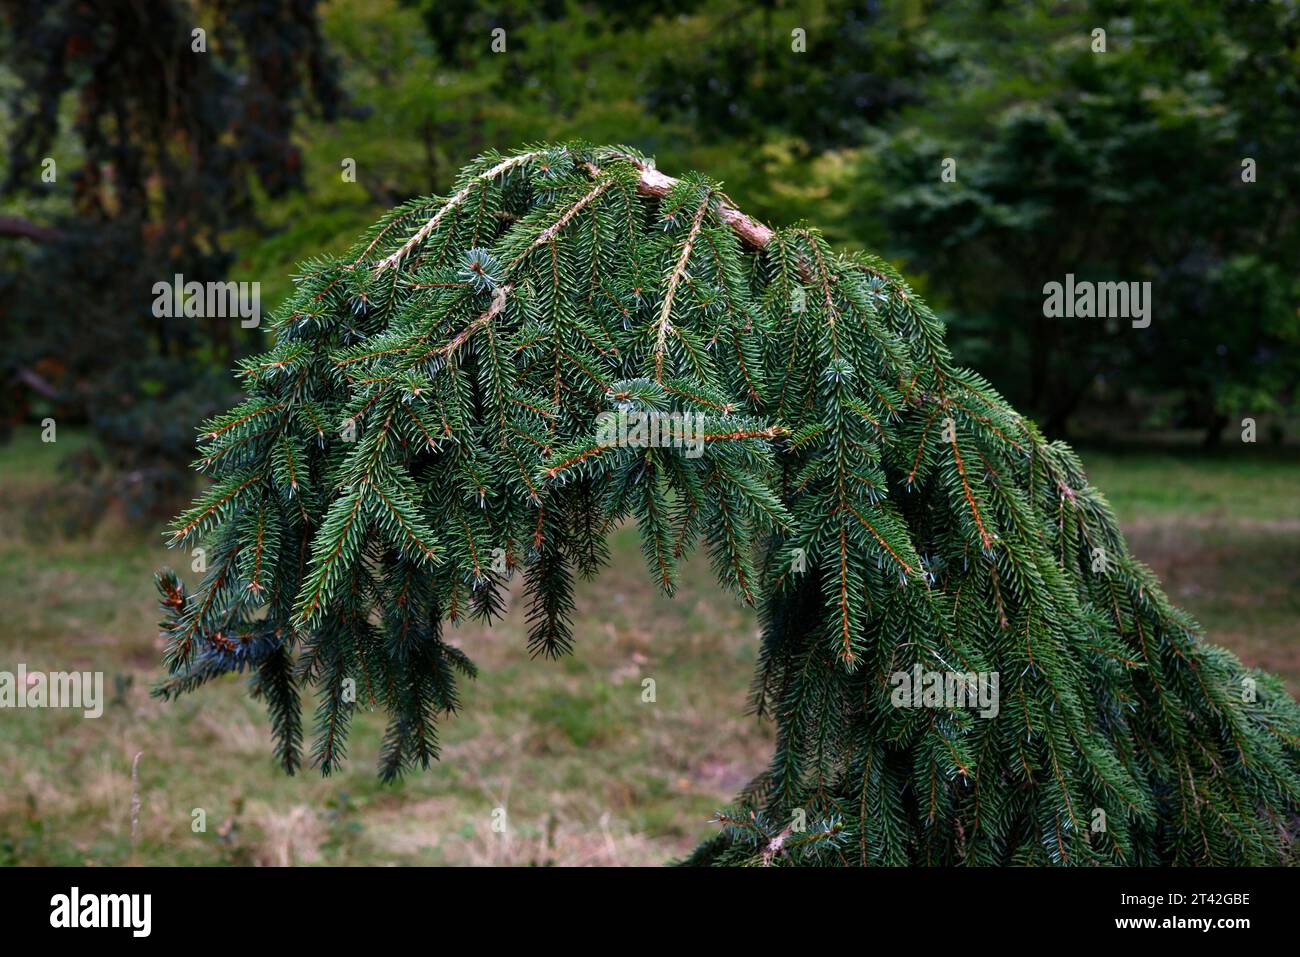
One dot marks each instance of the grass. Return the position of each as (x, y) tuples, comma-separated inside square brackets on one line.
[(1231, 487), (1223, 534), (585, 771)]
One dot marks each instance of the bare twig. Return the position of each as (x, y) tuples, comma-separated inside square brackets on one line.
[(14, 226), (655, 183), (135, 795)]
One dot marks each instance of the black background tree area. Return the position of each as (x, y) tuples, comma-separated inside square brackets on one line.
[(175, 146)]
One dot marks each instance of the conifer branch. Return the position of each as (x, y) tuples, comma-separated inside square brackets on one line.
[(505, 166), (804, 399), (665, 310)]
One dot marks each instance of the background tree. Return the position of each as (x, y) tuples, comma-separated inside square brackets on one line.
[(1066, 157), (1123, 165), (164, 152)]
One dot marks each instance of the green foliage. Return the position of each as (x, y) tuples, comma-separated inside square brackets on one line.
[(1123, 165), (424, 427)]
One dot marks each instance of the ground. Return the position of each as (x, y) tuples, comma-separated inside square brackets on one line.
[(587, 772)]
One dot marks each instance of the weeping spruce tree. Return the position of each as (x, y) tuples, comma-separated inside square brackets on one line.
[(425, 427)]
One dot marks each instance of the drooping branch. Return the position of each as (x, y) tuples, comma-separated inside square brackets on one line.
[(860, 577)]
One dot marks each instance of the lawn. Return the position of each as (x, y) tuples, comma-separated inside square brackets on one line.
[(586, 772)]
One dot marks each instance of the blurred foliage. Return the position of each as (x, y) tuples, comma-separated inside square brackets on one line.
[(162, 142), (1123, 165)]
